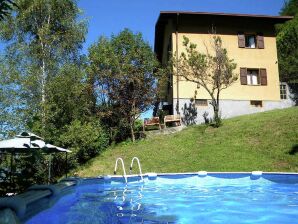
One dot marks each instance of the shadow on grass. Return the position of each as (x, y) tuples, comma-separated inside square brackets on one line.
[(294, 150)]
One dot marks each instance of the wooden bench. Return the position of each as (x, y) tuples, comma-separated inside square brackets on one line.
[(151, 122), (172, 118)]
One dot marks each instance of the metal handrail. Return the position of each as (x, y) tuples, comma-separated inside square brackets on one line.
[(116, 165), (139, 164)]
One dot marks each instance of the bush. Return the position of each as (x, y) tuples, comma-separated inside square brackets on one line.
[(85, 140), (27, 169), (161, 114), (206, 118), (138, 125)]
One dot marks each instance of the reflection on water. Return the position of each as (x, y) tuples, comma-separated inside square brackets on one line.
[(121, 204), (184, 200)]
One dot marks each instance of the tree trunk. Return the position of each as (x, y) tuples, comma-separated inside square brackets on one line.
[(216, 117), (43, 94), (131, 123), (216, 112)]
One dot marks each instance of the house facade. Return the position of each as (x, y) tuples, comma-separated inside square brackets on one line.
[(250, 41)]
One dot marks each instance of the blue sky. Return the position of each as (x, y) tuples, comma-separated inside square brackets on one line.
[(108, 17), (111, 16)]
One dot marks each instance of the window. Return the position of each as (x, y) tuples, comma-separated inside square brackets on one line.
[(256, 103), (250, 41), (201, 102), (283, 91), (253, 77)]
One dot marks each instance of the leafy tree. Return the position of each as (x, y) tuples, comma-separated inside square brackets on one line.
[(67, 100), (214, 72), (287, 44), (41, 36), (287, 48), (290, 8), (42, 76), (10, 102), (122, 70)]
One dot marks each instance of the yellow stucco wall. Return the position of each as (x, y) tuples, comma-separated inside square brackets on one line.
[(249, 58)]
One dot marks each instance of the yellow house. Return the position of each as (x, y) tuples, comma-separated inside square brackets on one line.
[(249, 40)]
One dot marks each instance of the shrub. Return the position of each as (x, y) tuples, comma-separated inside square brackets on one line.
[(205, 116), (85, 140)]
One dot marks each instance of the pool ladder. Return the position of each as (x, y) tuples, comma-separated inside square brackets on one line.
[(123, 168), (139, 164), (130, 169)]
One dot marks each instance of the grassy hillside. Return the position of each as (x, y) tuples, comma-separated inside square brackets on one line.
[(264, 141)]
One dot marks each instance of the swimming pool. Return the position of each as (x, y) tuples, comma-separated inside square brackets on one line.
[(179, 198)]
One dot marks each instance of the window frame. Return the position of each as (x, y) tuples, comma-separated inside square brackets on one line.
[(258, 76), (247, 35), (258, 39), (256, 103), (198, 102), (283, 95)]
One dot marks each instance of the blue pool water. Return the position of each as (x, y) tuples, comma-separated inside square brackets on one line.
[(216, 198)]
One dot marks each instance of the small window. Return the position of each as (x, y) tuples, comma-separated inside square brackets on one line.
[(255, 41), (256, 103), (283, 91), (250, 41), (201, 102), (253, 77)]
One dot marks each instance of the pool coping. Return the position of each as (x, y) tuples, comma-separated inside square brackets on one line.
[(15, 207), (191, 173)]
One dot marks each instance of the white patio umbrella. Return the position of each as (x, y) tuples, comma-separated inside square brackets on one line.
[(27, 142)]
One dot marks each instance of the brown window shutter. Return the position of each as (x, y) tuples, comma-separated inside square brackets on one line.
[(243, 76), (241, 40), (263, 75), (260, 41)]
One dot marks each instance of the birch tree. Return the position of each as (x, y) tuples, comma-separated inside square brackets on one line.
[(40, 36)]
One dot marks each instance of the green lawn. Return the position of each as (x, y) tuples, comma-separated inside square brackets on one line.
[(263, 141)]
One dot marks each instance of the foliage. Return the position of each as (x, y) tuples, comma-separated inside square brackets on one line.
[(287, 44), (6, 7), (205, 116), (11, 109), (161, 114), (41, 37), (67, 100), (44, 85), (27, 170), (263, 141), (85, 140), (33, 167), (290, 8), (139, 125), (190, 113), (214, 72), (123, 73)]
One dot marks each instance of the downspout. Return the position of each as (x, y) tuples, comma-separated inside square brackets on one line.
[(177, 61)]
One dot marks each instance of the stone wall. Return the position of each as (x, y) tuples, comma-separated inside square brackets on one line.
[(228, 109)]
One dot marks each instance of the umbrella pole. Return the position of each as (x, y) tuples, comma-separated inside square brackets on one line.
[(50, 164), (11, 162), (66, 165)]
